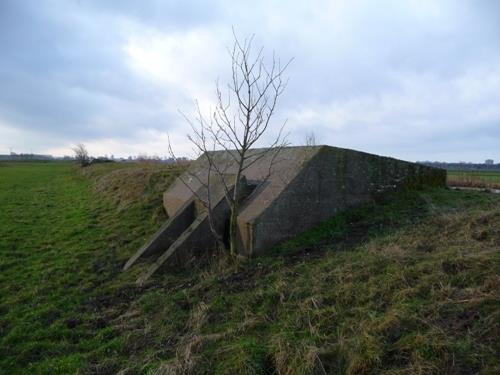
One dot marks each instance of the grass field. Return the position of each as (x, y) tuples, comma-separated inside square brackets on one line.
[(406, 285), (479, 179)]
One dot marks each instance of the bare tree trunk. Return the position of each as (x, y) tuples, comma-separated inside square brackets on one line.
[(233, 236)]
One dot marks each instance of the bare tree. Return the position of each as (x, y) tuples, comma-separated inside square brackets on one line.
[(310, 139), (240, 119), (81, 155)]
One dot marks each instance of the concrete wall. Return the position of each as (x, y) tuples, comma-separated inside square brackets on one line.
[(333, 180)]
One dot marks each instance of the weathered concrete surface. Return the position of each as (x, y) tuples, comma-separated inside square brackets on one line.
[(333, 180), (307, 185), (187, 241), (167, 234)]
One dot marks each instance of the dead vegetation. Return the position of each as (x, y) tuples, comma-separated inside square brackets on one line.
[(472, 183), (474, 179)]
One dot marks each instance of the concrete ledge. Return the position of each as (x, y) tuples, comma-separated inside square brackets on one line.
[(167, 234)]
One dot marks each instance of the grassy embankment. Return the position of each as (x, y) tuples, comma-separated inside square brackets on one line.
[(475, 179), (405, 285)]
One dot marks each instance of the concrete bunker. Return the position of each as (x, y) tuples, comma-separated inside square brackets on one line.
[(307, 185)]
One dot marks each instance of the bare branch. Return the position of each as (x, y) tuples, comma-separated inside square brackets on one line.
[(241, 117)]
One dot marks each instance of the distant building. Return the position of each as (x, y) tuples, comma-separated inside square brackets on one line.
[(489, 162)]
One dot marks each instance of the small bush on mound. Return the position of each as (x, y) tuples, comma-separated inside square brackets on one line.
[(81, 155)]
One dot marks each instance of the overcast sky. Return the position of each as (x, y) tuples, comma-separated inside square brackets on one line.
[(417, 80)]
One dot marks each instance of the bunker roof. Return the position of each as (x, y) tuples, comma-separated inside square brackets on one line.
[(271, 171)]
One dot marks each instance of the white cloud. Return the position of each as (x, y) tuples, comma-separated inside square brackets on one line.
[(186, 62)]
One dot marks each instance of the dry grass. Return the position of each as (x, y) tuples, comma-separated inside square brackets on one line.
[(418, 295), (474, 179), (129, 184)]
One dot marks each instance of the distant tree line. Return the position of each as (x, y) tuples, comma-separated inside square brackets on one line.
[(461, 166), (83, 158)]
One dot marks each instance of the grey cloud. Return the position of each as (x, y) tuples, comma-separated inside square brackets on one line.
[(65, 75)]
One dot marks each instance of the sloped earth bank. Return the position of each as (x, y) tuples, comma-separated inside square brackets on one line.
[(405, 285)]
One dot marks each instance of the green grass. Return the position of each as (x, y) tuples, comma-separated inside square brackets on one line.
[(481, 179), (409, 284), (59, 244)]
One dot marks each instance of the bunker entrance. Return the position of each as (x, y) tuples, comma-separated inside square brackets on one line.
[(188, 232)]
